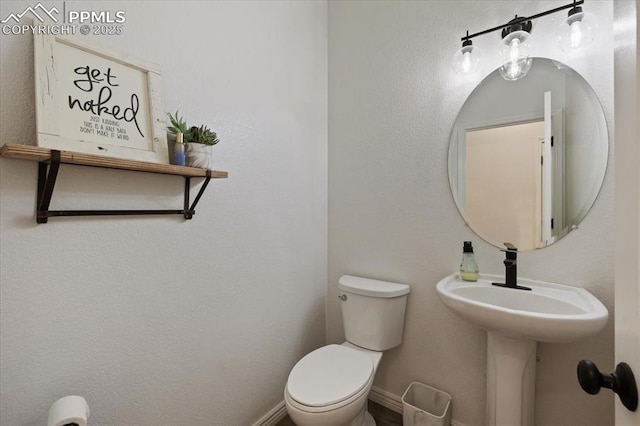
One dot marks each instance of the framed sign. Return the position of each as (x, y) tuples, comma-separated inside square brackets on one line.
[(98, 101)]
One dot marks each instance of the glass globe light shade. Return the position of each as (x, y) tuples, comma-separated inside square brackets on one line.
[(466, 60), (514, 55), (578, 30)]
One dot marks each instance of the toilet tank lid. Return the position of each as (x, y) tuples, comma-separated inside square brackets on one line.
[(372, 288)]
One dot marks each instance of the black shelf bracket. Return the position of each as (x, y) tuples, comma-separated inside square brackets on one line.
[(48, 173)]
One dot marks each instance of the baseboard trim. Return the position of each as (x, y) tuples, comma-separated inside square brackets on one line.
[(274, 416), (386, 399)]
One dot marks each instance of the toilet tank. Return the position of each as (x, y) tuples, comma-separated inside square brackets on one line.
[(372, 311)]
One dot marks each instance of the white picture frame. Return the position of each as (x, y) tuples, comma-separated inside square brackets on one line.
[(96, 100)]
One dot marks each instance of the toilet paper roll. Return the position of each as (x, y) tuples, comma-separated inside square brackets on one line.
[(70, 410)]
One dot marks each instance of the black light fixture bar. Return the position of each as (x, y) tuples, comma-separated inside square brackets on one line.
[(520, 19)]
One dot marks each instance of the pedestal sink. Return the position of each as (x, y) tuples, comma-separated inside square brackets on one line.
[(515, 321)]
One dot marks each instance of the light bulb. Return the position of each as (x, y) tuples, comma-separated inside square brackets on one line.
[(576, 34), (515, 55), (514, 50), (578, 30), (466, 60)]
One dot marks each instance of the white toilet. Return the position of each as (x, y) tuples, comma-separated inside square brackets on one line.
[(330, 386)]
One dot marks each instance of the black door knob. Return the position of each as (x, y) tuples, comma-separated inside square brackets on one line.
[(621, 382)]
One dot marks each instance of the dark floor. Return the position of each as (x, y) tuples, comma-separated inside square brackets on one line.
[(382, 415)]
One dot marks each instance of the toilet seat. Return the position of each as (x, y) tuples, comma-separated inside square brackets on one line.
[(330, 377)]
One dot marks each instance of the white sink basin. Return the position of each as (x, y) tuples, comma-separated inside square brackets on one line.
[(548, 313)]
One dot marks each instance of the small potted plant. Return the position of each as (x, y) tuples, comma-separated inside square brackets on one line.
[(199, 146), (199, 141)]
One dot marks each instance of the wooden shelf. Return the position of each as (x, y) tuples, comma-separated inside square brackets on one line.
[(35, 153), (50, 160)]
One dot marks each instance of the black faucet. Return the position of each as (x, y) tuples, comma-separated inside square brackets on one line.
[(511, 269)]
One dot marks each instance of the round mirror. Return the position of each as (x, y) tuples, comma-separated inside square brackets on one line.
[(527, 158)]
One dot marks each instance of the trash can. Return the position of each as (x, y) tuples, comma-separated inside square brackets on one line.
[(423, 405)]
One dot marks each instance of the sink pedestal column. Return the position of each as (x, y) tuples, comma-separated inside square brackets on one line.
[(511, 376)]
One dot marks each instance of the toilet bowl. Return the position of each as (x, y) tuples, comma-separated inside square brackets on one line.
[(330, 386)]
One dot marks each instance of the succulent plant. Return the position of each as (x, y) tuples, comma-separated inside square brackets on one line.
[(178, 125), (202, 135), (193, 134)]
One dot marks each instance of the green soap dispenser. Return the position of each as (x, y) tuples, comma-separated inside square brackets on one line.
[(468, 267)]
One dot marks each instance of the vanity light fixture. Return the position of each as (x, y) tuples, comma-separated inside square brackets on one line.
[(514, 54), (466, 60), (577, 30)]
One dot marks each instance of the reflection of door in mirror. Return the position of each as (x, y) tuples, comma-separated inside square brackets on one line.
[(511, 183), (504, 183)]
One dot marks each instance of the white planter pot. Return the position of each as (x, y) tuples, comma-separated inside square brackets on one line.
[(199, 155)]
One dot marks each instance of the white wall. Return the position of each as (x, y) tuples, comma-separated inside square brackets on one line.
[(393, 99), (158, 321)]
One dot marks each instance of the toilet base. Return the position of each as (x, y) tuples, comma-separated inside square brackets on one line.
[(364, 418), (368, 419)]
